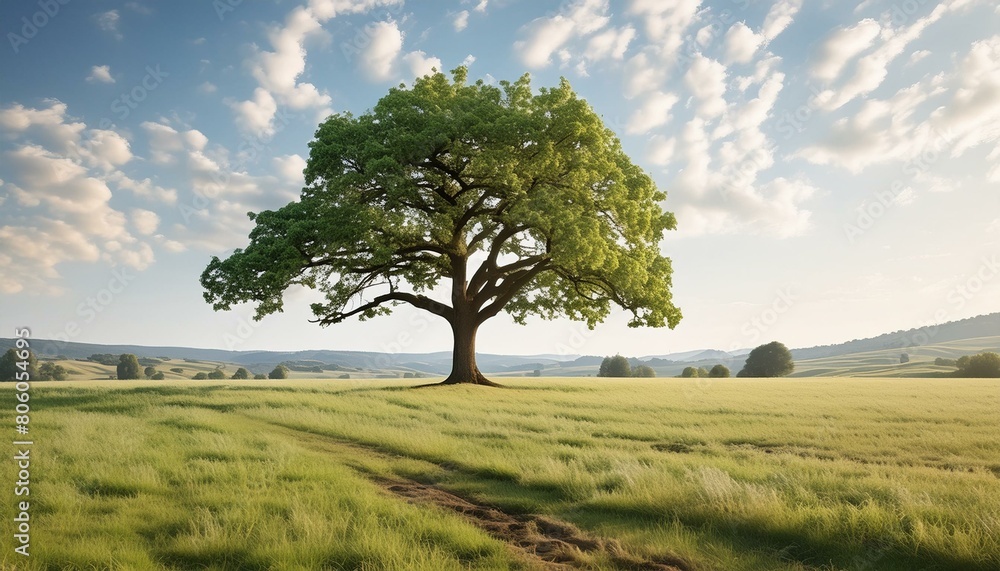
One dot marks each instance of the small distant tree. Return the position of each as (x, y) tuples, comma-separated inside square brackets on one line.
[(9, 365), (241, 374), (217, 374), (344, 376), (105, 359), (702, 372), (769, 360), (962, 362), (279, 372), (719, 372), (149, 372), (689, 372), (904, 358), (644, 371), (536, 373), (177, 370), (200, 376), (50, 371), (158, 376), (983, 365), (128, 367), (260, 377), (616, 366)]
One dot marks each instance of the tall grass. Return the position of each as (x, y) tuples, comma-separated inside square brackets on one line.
[(735, 474)]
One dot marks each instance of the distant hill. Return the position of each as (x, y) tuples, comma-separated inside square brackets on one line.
[(942, 337), (973, 327)]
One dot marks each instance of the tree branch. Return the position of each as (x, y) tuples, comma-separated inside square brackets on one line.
[(418, 301), (509, 288), (487, 270)]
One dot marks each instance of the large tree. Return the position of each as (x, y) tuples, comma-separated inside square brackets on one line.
[(524, 201), (769, 360), (128, 367), (616, 366), (11, 365)]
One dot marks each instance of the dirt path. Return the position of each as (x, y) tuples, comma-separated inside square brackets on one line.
[(554, 544), (543, 541)]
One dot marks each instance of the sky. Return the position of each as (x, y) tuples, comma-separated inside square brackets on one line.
[(834, 166)]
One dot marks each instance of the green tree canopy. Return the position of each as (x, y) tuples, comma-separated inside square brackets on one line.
[(49, 371), (399, 199), (719, 371), (690, 372), (983, 365), (149, 372), (279, 372), (128, 367), (9, 365), (241, 373), (644, 371), (616, 366), (217, 374), (769, 360), (200, 376)]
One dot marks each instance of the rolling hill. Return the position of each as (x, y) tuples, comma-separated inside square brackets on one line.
[(876, 356)]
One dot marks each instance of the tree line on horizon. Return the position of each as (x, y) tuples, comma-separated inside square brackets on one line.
[(769, 360)]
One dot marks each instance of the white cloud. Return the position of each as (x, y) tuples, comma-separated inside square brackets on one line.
[(965, 115), (841, 46), (421, 65), (378, 58), (666, 22), (101, 73), (256, 115), (774, 209), (62, 207), (145, 222), (610, 43), (108, 21), (461, 20), (918, 55), (779, 17), (207, 87), (653, 113), (290, 167), (660, 150), (278, 71), (547, 36), (705, 36), (106, 150), (706, 79), (872, 69), (51, 126), (741, 43), (643, 74)]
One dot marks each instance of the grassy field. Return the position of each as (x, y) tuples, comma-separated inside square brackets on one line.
[(885, 363), (741, 474)]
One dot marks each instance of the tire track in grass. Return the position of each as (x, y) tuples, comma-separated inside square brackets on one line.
[(547, 543)]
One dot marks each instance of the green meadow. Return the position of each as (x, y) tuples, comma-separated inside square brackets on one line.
[(709, 474)]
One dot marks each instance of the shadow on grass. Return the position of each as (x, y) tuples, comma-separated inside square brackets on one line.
[(789, 545)]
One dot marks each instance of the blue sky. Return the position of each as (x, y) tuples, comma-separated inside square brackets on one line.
[(834, 166)]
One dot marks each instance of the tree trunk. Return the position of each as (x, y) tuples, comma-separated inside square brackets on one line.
[(463, 360), (464, 326)]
